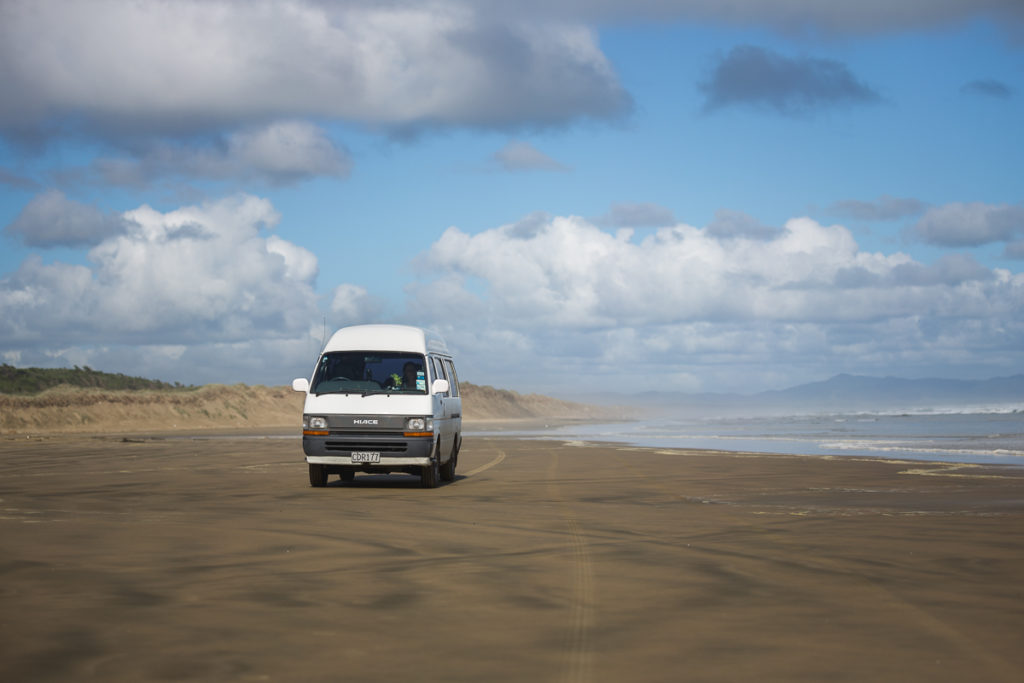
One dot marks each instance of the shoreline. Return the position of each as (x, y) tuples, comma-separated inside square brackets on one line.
[(496, 430), (990, 439)]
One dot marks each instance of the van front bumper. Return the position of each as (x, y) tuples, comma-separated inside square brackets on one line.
[(385, 450)]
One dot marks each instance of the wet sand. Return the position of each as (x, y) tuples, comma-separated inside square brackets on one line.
[(211, 559)]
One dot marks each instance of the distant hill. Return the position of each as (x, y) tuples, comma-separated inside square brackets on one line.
[(844, 390), (840, 393), (35, 380)]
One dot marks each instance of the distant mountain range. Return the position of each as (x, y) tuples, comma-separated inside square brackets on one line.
[(842, 393)]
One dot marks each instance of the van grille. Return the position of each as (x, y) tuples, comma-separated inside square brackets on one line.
[(358, 444)]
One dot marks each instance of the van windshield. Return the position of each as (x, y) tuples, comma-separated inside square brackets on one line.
[(370, 372)]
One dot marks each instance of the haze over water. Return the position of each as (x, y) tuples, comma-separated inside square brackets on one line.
[(971, 435)]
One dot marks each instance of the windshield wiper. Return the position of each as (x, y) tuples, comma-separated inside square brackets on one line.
[(371, 392)]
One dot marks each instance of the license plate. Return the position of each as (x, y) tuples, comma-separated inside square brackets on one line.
[(365, 456)]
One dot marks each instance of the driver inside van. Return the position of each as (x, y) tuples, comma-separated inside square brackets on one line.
[(409, 374), (411, 379)]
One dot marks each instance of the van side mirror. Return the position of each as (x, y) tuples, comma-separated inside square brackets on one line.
[(300, 384), (440, 386)]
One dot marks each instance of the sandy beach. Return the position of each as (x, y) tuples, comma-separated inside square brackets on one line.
[(206, 558)]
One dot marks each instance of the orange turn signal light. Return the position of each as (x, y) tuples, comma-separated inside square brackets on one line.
[(315, 432), (417, 433)]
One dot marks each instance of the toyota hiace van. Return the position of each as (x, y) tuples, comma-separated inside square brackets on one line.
[(381, 399)]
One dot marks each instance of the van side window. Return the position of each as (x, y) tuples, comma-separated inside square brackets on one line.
[(438, 368), (453, 378)]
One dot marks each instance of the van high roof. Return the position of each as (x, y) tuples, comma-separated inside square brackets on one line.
[(386, 338)]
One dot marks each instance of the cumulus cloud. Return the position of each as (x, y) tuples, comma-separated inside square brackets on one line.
[(761, 78), (517, 155), (885, 208), (51, 220), (122, 67), (970, 224), (205, 274), (686, 297), (354, 305), (570, 273)]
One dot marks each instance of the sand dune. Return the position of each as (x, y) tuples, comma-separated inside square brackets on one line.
[(67, 410)]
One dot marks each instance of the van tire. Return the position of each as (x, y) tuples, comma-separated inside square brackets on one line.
[(317, 475), (430, 475), (448, 469)]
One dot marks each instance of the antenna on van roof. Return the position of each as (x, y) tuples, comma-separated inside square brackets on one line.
[(323, 338)]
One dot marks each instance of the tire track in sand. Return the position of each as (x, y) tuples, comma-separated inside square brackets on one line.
[(578, 653), (485, 466)]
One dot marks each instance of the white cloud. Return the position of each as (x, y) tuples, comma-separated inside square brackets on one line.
[(686, 302), (353, 305), (570, 273), (197, 275), (125, 67), (299, 263), (206, 293)]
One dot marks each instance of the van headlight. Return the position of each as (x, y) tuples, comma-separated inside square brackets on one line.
[(312, 422), (419, 424)]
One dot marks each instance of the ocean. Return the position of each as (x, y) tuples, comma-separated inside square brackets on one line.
[(969, 435)]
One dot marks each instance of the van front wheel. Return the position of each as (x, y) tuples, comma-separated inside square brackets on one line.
[(317, 475), (430, 475)]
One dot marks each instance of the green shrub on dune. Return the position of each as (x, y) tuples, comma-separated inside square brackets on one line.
[(36, 380)]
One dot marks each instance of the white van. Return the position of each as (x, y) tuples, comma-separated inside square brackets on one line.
[(382, 398)]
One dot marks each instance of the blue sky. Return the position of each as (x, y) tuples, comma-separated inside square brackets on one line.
[(582, 196)]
